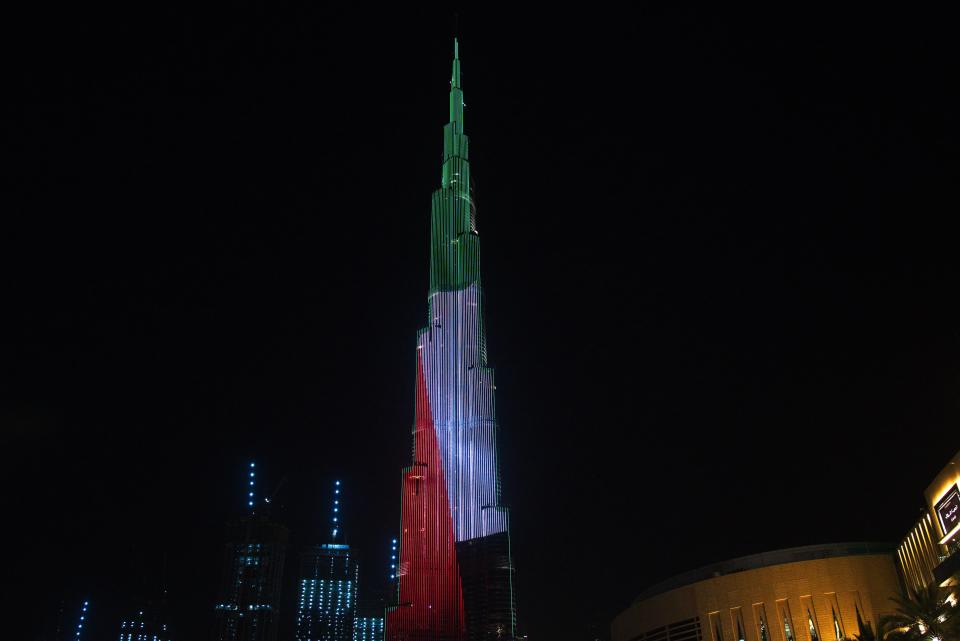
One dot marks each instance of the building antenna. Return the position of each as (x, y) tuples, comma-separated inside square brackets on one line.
[(250, 485), (393, 560), (336, 510), (83, 619)]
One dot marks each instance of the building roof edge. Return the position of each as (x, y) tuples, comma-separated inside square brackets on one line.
[(766, 559)]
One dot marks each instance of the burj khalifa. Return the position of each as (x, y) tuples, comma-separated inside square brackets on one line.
[(455, 577)]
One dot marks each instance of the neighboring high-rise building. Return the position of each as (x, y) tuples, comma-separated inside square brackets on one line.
[(147, 625), (248, 609), (455, 576), (327, 604), (369, 623), (327, 586)]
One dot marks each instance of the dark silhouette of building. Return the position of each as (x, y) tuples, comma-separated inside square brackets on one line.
[(486, 578), (248, 607)]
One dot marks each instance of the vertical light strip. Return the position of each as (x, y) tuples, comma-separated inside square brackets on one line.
[(336, 511), (393, 560), (83, 620), (250, 478)]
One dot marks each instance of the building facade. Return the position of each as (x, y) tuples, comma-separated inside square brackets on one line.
[(812, 593), (327, 599), (455, 576), (248, 608), (368, 629), (929, 552)]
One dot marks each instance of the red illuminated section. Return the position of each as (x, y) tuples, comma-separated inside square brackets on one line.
[(430, 598)]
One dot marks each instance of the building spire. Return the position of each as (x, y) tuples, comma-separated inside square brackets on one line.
[(336, 511), (455, 78), (250, 498), (454, 260), (456, 93)]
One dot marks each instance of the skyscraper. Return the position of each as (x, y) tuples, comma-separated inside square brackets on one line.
[(327, 586), (327, 602), (455, 576), (252, 574), (369, 623)]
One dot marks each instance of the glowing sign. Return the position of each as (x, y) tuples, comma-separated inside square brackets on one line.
[(948, 512)]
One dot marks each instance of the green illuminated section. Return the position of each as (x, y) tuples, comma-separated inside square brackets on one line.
[(454, 246)]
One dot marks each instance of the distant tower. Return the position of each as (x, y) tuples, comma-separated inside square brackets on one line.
[(252, 573), (327, 585), (455, 576), (145, 626)]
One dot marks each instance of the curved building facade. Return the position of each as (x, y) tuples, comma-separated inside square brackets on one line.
[(812, 593)]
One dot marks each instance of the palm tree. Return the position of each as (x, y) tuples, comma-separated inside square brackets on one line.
[(925, 615), (866, 634)]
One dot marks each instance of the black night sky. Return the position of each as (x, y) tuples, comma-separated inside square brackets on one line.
[(719, 251)]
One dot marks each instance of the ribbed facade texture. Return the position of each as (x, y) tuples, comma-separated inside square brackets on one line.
[(919, 554)]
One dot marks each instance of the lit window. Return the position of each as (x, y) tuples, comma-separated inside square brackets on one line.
[(836, 625), (787, 632), (812, 627)]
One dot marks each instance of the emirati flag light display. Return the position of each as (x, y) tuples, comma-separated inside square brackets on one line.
[(455, 575)]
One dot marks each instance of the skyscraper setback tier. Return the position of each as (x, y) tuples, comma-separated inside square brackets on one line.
[(455, 576)]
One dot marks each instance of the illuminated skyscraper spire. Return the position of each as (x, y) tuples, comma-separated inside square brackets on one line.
[(455, 572), (336, 511), (250, 496), (456, 92)]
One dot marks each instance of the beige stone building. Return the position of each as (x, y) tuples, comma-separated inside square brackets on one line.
[(812, 593)]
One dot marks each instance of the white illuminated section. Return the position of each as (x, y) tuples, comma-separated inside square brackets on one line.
[(460, 389)]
